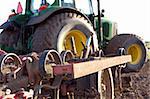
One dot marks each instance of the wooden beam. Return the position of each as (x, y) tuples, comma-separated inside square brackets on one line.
[(81, 69), (86, 68)]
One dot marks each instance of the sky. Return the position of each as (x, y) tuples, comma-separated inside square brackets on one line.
[(132, 16)]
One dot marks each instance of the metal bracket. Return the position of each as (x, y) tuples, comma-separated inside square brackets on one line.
[(118, 70)]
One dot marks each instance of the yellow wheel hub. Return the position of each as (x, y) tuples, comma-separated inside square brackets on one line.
[(73, 41), (136, 52)]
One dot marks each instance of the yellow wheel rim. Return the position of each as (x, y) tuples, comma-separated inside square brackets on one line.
[(136, 52), (78, 38)]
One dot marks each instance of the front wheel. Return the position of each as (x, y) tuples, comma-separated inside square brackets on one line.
[(133, 46)]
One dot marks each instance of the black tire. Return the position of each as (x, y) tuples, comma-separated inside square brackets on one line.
[(133, 45), (8, 40), (51, 33)]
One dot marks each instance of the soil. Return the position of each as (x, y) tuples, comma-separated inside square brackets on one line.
[(137, 85)]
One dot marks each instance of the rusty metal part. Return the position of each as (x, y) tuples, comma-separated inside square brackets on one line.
[(2, 52), (46, 60), (17, 84), (118, 72), (35, 55), (66, 56), (25, 74), (9, 63), (19, 95), (54, 88), (32, 69), (50, 76)]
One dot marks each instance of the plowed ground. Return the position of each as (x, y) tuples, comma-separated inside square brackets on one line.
[(137, 86)]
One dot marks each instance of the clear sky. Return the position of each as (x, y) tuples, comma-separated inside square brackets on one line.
[(132, 16)]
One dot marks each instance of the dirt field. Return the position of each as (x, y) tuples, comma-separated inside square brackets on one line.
[(138, 86)]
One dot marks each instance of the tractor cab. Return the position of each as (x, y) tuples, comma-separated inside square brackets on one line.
[(39, 5), (35, 6)]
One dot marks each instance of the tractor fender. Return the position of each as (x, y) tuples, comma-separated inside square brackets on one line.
[(6, 25), (39, 19), (9, 25)]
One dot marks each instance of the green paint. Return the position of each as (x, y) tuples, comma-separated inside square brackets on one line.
[(22, 20), (56, 3), (7, 49), (106, 29), (19, 19), (28, 7)]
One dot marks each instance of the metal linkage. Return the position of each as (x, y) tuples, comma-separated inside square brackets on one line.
[(50, 73), (15, 75), (9, 65), (2, 52), (118, 70), (66, 56), (30, 70), (54, 89), (46, 60)]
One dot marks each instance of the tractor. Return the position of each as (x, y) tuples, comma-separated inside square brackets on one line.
[(74, 29)]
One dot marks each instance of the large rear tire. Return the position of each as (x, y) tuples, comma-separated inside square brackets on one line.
[(58, 32), (133, 46), (8, 40)]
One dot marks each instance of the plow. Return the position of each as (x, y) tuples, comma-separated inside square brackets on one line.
[(51, 75), (59, 49)]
